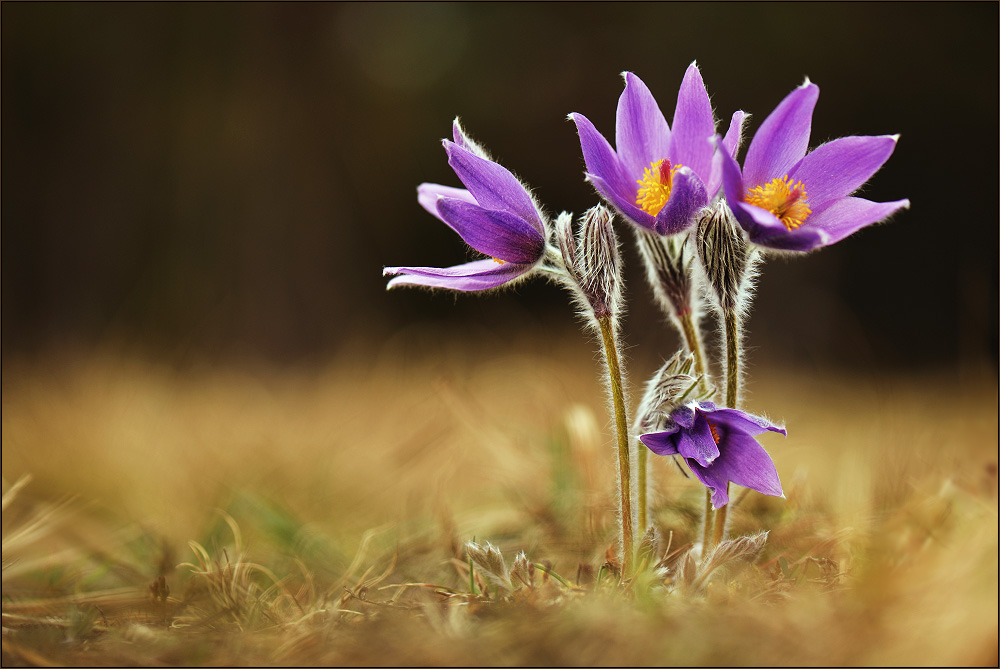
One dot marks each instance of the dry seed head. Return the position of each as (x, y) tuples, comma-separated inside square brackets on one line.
[(523, 570), (490, 562), (672, 384)]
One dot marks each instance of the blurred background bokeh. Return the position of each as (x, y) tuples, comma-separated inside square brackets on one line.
[(204, 181)]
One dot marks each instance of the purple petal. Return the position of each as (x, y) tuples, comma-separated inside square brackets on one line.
[(766, 230), (493, 186), (845, 216), (734, 136), (428, 195), (602, 162), (729, 146), (687, 198), (744, 462), (782, 138), (476, 275), (698, 444), (684, 416), (741, 421), (495, 233), (694, 125), (732, 178), (642, 135), (661, 443), (625, 206), (716, 484), (838, 168)]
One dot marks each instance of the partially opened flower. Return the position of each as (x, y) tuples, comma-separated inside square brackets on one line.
[(495, 215), (718, 446), (789, 200), (658, 177)]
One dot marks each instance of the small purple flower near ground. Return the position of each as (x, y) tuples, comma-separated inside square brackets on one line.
[(789, 200), (659, 177), (719, 446), (495, 215)]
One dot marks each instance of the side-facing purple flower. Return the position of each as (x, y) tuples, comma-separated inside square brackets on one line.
[(495, 214), (658, 177), (789, 200), (719, 446)]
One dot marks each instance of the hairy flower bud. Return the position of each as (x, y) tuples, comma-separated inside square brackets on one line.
[(668, 270), (672, 384), (592, 260), (725, 256)]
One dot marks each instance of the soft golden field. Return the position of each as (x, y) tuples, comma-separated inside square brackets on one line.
[(319, 516)]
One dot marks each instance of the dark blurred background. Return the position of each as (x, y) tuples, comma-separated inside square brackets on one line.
[(203, 180)]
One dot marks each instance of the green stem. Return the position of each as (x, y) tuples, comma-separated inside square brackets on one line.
[(641, 457), (621, 422), (733, 348), (706, 533), (693, 340)]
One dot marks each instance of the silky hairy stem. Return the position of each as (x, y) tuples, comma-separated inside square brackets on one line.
[(621, 423), (731, 325), (693, 339)]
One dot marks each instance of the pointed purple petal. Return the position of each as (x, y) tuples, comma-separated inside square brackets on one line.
[(694, 125), (782, 138), (493, 186), (661, 443), (428, 195), (736, 420), (838, 168), (642, 135), (687, 198), (684, 416), (625, 206), (746, 463), (729, 146), (495, 233), (473, 276), (602, 162), (711, 480), (732, 178), (845, 216)]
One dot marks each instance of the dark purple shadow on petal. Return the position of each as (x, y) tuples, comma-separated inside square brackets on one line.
[(495, 233), (642, 135), (687, 198), (661, 443), (473, 276), (694, 125), (684, 416), (767, 231), (838, 168), (782, 138), (493, 186)]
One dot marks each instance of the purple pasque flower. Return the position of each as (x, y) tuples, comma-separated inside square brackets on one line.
[(495, 215), (719, 446), (658, 177), (790, 200)]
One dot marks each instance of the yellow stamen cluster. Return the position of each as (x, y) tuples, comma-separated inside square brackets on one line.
[(655, 186), (784, 199), (498, 261)]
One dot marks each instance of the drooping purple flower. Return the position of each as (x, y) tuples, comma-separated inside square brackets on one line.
[(658, 177), (789, 200), (719, 446), (495, 215)]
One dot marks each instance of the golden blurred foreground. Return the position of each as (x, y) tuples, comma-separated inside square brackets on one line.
[(319, 516)]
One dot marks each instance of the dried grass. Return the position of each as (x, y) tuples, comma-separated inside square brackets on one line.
[(243, 515)]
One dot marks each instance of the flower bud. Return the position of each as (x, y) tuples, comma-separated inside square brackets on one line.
[(725, 256), (592, 260), (668, 270), (672, 385)]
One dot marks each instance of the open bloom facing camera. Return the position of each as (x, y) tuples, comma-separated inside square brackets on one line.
[(659, 177), (718, 446), (495, 214), (789, 200)]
